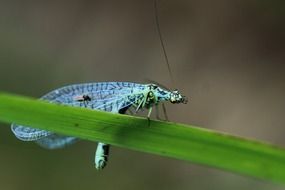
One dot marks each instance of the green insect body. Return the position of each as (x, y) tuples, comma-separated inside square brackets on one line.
[(116, 97)]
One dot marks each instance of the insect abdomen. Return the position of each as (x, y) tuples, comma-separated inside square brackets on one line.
[(101, 155)]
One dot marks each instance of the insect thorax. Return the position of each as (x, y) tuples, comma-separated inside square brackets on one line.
[(152, 95)]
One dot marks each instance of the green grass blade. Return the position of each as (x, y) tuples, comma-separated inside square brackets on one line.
[(174, 140)]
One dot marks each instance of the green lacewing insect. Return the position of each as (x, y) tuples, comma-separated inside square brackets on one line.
[(116, 97)]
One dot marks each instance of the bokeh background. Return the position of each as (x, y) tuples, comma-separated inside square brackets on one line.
[(228, 56)]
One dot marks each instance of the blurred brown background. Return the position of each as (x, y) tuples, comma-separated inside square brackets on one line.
[(228, 56)]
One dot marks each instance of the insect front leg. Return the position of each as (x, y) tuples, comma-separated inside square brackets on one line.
[(148, 115), (140, 105)]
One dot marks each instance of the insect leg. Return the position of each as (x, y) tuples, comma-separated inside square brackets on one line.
[(164, 111), (149, 112), (140, 105), (148, 115)]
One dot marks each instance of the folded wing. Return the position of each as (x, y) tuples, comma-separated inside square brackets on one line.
[(108, 96)]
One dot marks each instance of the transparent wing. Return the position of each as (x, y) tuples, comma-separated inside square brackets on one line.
[(54, 141), (28, 134), (109, 96), (99, 93), (120, 102)]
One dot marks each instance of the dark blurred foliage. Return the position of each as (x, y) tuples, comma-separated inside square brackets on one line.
[(227, 56)]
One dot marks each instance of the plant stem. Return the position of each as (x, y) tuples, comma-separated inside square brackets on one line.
[(185, 142)]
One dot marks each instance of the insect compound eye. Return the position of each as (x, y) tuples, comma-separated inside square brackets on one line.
[(173, 97), (176, 97)]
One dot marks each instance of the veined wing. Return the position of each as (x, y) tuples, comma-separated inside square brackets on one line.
[(27, 133), (109, 96), (120, 102), (99, 93), (54, 141)]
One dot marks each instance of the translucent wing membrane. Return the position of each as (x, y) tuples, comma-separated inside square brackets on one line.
[(118, 103), (27, 133), (108, 96), (54, 141)]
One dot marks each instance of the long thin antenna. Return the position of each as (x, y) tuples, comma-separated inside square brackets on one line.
[(161, 41)]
